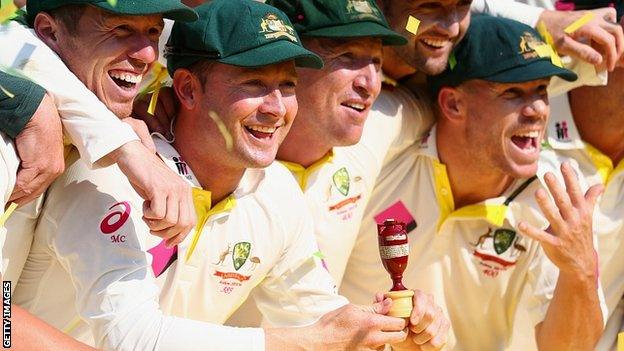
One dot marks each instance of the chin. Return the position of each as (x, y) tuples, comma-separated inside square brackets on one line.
[(523, 171), (434, 66)]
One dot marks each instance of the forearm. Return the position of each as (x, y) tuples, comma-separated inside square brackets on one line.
[(511, 9), (31, 333), (295, 339), (574, 319)]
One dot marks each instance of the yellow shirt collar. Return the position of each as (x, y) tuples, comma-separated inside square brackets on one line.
[(302, 174)]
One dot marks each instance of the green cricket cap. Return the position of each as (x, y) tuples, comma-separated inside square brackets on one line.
[(339, 19), (172, 9), (242, 33), (499, 50)]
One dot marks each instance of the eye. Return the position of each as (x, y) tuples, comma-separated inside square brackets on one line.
[(347, 57), (512, 93), (429, 6), (123, 30)]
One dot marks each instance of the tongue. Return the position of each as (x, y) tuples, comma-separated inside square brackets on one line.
[(522, 142), (259, 135)]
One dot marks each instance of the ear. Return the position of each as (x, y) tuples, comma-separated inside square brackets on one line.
[(451, 104), (48, 30), (187, 88)]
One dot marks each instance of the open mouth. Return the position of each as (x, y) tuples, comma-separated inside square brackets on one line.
[(359, 107), (527, 142), (125, 80), (261, 132), (434, 43)]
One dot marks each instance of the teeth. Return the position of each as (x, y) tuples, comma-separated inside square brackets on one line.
[(127, 77), (532, 134), (438, 43), (263, 129), (356, 106)]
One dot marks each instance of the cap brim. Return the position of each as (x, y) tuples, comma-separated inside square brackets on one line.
[(171, 9), (275, 52), (534, 70), (359, 30)]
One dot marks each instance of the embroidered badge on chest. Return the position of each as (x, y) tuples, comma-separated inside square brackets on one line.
[(242, 262), (339, 202), (498, 250)]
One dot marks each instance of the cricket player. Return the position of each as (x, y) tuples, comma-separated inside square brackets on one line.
[(24, 106), (477, 239), (104, 279), (89, 124)]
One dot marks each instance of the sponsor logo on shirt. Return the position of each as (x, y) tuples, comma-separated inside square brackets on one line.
[(241, 258), (561, 131), (498, 250), (342, 205), (118, 215)]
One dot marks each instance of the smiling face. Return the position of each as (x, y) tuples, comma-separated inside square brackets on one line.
[(256, 107), (110, 54), (515, 115), (334, 101), (443, 23)]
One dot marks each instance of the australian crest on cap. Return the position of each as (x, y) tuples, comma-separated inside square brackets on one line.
[(273, 27), (528, 45), (361, 9)]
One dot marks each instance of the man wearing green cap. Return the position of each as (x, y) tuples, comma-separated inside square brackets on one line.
[(235, 80), (481, 243), (110, 61)]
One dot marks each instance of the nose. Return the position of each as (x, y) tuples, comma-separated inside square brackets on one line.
[(537, 108), (142, 49), (367, 81), (448, 22), (273, 104)]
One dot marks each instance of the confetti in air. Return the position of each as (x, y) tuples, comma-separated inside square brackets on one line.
[(113, 3), (579, 23), (7, 213), (452, 61), (7, 10), (6, 92), (412, 25), (223, 129)]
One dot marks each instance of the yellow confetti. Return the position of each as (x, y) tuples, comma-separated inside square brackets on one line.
[(620, 342), (113, 3), (556, 60), (7, 213), (579, 23), (412, 24), (154, 100), (159, 74), (6, 92), (223, 129), (7, 10), (319, 254), (452, 61), (543, 50), (543, 31)]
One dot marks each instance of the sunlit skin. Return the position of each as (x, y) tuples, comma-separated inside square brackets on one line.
[(109, 53), (245, 100), (335, 101), (443, 24), (601, 125), (483, 161)]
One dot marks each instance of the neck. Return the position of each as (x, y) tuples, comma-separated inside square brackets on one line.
[(394, 66), (211, 171), (302, 147), (600, 124), (470, 181)]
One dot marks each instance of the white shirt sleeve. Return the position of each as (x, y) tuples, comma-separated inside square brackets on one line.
[(91, 127), (115, 289), (298, 290), (511, 9)]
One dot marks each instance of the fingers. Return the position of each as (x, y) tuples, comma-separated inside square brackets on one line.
[(423, 312), (380, 307), (573, 188), (559, 194), (378, 339), (603, 39), (592, 195), (537, 234), (572, 47), (29, 185), (439, 339)]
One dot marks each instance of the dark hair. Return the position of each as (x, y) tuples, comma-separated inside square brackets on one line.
[(68, 15), (201, 69)]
